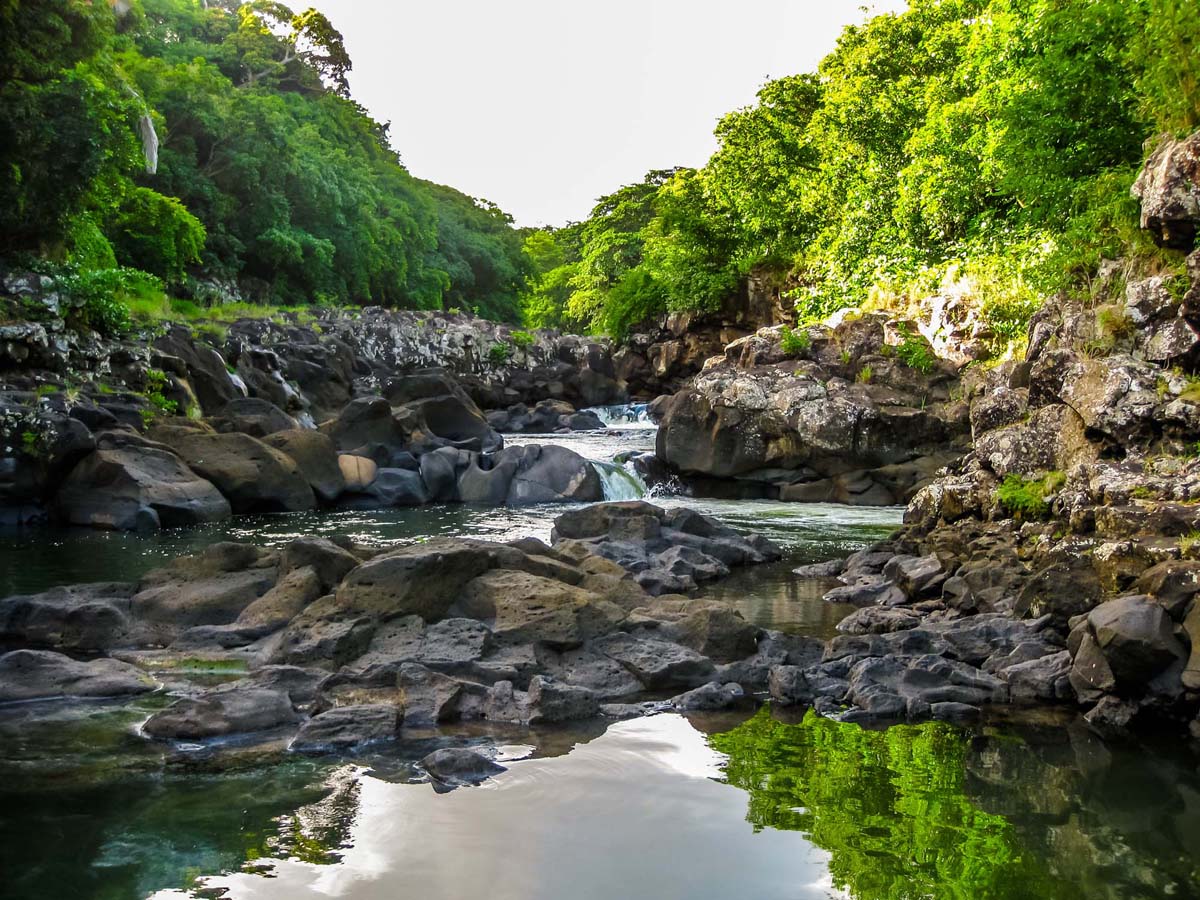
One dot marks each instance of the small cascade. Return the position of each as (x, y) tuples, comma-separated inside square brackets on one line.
[(619, 483), (624, 415)]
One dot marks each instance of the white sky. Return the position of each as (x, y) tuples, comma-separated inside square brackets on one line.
[(543, 105)]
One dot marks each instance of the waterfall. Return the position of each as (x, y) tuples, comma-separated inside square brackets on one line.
[(619, 483), (624, 415)]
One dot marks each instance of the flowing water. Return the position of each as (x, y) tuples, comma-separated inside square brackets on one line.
[(751, 804)]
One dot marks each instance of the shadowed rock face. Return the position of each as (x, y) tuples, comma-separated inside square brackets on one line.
[(813, 427)]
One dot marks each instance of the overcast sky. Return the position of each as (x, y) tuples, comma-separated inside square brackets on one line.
[(543, 105)]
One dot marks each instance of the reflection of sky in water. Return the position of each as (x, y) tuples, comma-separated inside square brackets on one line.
[(636, 813)]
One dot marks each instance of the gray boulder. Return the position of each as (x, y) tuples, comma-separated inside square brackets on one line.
[(347, 728), (43, 675)]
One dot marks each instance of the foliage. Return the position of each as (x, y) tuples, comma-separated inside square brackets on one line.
[(1026, 498), (268, 174), (521, 338), (986, 143), (102, 296), (893, 808), (792, 342), (914, 351), (499, 353)]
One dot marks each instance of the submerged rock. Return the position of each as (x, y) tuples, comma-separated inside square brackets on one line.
[(458, 766)]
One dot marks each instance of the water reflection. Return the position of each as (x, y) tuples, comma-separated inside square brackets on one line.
[(933, 811), (640, 812)]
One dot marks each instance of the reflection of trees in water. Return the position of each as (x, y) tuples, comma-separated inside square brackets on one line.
[(316, 832), (910, 812)]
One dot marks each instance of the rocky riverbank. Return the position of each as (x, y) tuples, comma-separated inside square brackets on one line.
[(335, 646)]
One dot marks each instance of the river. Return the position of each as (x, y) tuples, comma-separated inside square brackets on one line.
[(759, 804)]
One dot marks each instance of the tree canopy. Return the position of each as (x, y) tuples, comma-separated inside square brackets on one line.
[(268, 175), (989, 139)]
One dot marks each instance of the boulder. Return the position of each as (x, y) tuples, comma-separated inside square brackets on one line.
[(86, 618), (458, 766), (225, 710), (1136, 636), (206, 371), (347, 728), (136, 485), (358, 472), (253, 476), (255, 417), (552, 474), (658, 665), (398, 487), (316, 457), (43, 675), (711, 696), (1168, 188)]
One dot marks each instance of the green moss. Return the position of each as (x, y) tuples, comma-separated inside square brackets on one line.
[(1026, 498)]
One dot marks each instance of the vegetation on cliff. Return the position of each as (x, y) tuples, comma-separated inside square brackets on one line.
[(988, 143), (214, 148)]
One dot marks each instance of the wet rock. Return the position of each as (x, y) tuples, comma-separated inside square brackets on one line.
[(879, 620), (455, 767), (552, 701), (398, 487), (206, 370), (347, 728), (867, 590), (44, 675), (1136, 636), (225, 710), (1046, 679), (551, 474)]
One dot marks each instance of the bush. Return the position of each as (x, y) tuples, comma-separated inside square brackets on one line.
[(915, 352), (794, 343), (102, 297), (499, 354), (1025, 498), (521, 338)]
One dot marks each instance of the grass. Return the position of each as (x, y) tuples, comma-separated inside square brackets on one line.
[(1026, 498), (865, 374)]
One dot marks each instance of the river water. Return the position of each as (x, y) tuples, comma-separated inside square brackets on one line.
[(760, 805)]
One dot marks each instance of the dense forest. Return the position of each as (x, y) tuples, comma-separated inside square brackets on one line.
[(991, 142), (213, 147), (211, 150)]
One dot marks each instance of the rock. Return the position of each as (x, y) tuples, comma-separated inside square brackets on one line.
[(316, 457), (330, 561), (357, 472), (1135, 634), (225, 710), (135, 486), (711, 696), (424, 579), (455, 767), (916, 576), (428, 697), (879, 620), (255, 417), (1173, 584), (1169, 190), (867, 591), (888, 687), (551, 701), (290, 596), (658, 665), (604, 677), (1191, 627), (552, 474), (522, 607), (347, 728), (298, 683), (253, 476), (441, 409), (206, 372), (398, 487), (1046, 679), (43, 675), (87, 617)]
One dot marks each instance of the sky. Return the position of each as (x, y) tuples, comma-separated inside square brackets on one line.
[(542, 106)]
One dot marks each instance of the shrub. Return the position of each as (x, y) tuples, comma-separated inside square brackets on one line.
[(521, 338), (865, 374), (499, 354), (794, 342), (1025, 498), (915, 353)]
